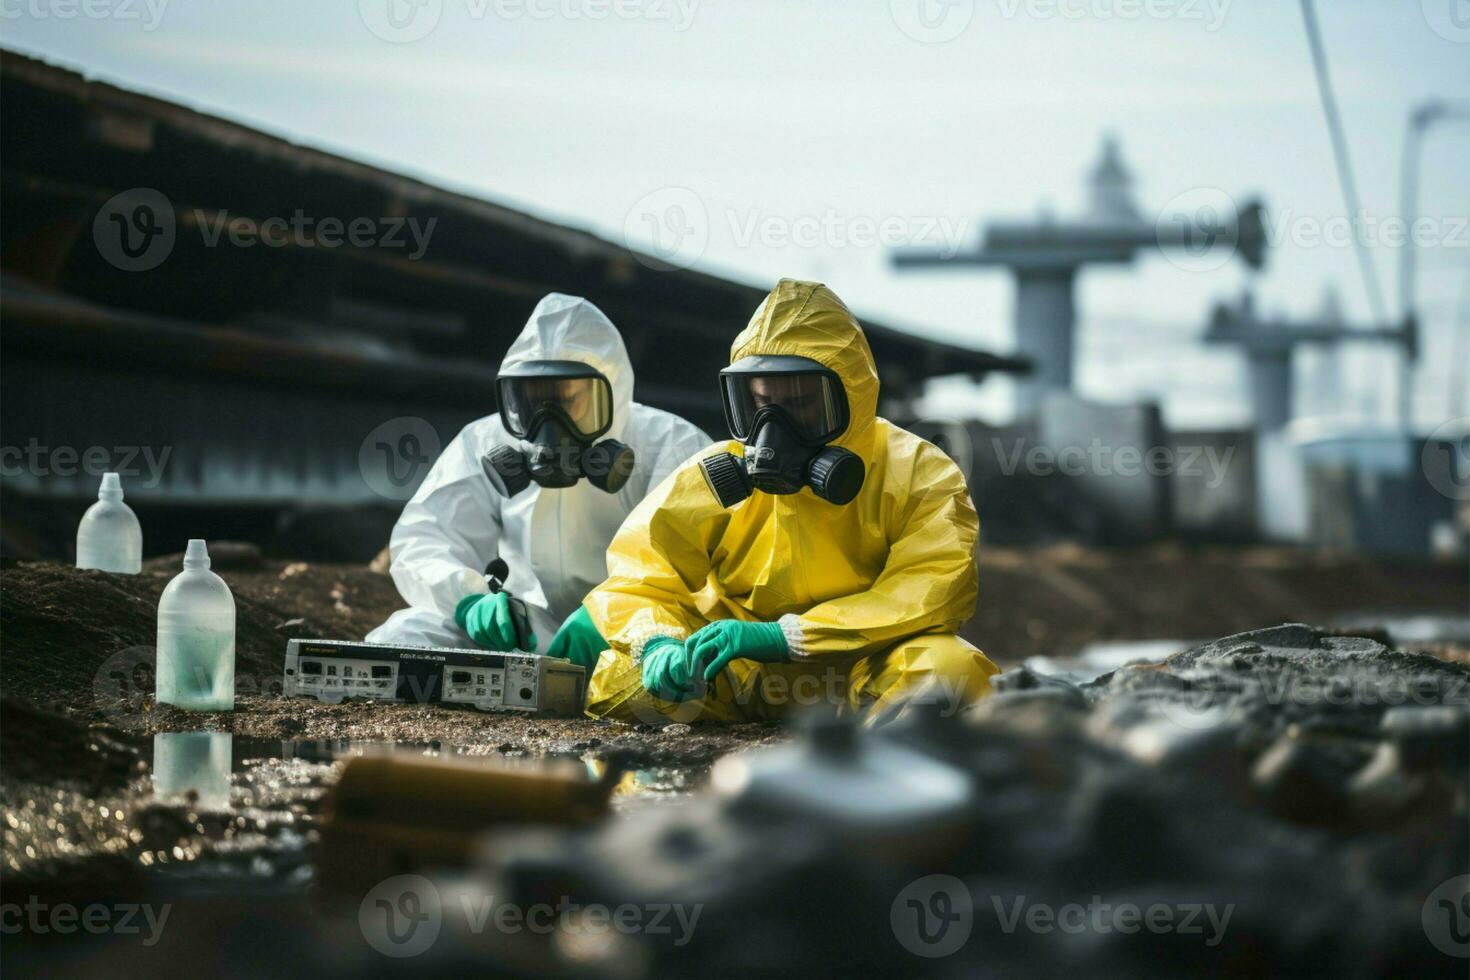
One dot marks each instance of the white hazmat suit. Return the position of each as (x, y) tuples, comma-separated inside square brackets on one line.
[(554, 541)]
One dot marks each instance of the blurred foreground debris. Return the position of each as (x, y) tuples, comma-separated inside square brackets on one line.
[(1285, 802), (388, 815), (1278, 801)]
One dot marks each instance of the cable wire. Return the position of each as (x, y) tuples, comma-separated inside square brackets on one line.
[(1344, 163), (1460, 359)]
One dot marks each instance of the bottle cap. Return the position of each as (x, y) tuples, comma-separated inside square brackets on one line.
[(196, 555), (111, 486)]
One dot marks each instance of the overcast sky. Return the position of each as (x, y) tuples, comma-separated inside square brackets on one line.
[(783, 137)]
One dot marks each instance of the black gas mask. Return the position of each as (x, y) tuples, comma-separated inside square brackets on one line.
[(786, 410), (557, 409)]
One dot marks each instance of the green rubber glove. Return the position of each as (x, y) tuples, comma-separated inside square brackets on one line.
[(485, 616), (715, 645), (578, 640), (666, 669)]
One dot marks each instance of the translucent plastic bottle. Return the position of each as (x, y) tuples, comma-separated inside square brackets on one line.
[(196, 637), (109, 537)]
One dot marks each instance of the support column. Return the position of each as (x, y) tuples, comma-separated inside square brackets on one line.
[(1045, 321), (1271, 387), (1281, 487)]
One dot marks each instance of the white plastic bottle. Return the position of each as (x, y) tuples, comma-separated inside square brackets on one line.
[(109, 537), (196, 637)]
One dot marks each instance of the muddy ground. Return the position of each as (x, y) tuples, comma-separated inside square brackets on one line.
[(81, 789), (62, 625), (1283, 802), (79, 717), (79, 644)]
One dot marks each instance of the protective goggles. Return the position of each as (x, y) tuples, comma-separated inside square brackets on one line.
[(570, 391), (806, 394)]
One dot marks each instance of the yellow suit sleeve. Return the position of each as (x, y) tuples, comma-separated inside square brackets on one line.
[(928, 584), (658, 562)]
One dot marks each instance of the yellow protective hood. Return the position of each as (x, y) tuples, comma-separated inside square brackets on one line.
[(806, 319), (844, 581)]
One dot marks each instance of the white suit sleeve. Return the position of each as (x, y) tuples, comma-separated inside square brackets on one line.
[(448, 532)]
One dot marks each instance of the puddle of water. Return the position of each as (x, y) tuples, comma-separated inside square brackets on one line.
[(222, 814), (197, 763), (1096, 659), (200, 765), (1412, 628), (635, 786), (639, 789), (208, 819)]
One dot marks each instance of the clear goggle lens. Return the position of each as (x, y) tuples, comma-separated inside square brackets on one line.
[(585, 402), (813, 402)]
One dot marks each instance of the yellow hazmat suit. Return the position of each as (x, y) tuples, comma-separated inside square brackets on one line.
[(868, 594)]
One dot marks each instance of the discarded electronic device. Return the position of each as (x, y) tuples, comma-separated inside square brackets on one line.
[(334, 670)]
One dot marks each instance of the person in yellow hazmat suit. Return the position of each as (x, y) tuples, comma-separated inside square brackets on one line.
[(824, 555)]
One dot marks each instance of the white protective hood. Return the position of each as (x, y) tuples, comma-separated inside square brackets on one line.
[(569, 328), (554, 541)]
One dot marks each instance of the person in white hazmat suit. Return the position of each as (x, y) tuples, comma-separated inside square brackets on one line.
[(543, 484)]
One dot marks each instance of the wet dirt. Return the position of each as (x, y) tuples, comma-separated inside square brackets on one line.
[(212, 813), (78, 786), (63, 625)]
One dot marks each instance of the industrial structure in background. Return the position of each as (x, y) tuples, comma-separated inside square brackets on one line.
[(1045, 256), (1387, 504), (1290, 480), (279, 378), (294, 390)]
